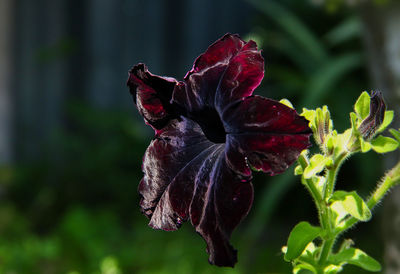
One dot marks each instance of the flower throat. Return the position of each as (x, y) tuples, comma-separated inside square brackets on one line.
[(211, 124)]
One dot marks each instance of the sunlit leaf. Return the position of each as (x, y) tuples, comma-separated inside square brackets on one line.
[(317, 164), (396, 134), (362, 105), (389, 114), (365, 146), (356, 257), (332, 269), (298, 170), (301, 235), (383, 144), (286, 102), (304, 269), (352, 204)]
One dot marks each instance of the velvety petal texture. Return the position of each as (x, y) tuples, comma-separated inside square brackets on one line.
[(210, 133), (152, 95)]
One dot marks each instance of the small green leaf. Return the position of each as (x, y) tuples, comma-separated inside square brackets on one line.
[(362, 105), (353, 121), (389, 114), (301, 235), (298, 170), (396, 134), (383, 144), (352, 204), (317, 164), (286, 102), (338, 212), (356, 257), (365, 145), (332, 269), (309, 114), (304, 269)]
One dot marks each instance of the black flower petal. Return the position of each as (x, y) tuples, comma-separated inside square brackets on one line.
[(210, 131)]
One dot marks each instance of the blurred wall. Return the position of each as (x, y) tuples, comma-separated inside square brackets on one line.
[(73, 49), (382, 41), (5, 75)]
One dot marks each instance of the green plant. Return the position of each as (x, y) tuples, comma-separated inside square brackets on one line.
[(312, 247)]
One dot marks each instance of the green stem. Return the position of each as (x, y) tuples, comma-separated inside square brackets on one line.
[(331, 174), (325, 251), (330, 182), (315, 193), (327, 243), (391, 179)]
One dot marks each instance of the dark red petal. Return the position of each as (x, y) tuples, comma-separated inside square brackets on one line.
[(174, 146), (220, 202), (230, 69), (271, 153), (220, 51), (265, 134), (173, 207), (152, 95), (259, 114), (243, 74), (186, 176)]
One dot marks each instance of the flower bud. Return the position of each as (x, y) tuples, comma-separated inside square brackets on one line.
[(373, 121)]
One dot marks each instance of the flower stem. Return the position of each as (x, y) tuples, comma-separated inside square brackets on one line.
[(314, 192), (326, 250), (331, 174), (391, 179), (328, 242)]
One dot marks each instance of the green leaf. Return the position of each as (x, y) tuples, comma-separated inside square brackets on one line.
[(338, 213), (302, 234), (395, 133), (348, 29), (298, 170), (332, 269), (294, 27), (352, 204), (383, 144), (328, 75), (365, 146), (362, 105), (310, 115), (317, 164), (286, 102), (389, 114), (303, 269), (356, 257)]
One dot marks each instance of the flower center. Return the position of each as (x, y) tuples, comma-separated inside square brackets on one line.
[(211, 124)]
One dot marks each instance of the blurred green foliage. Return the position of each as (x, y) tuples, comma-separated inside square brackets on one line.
[(334, 5), (75, 209)]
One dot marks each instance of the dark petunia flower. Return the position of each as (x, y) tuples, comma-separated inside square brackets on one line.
[(374, 120), (210, 132)]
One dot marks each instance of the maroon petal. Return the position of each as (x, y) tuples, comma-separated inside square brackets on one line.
[(169, 152), (209, 133), (243, 74), (186, 177), (230, 69), (152, 95), (265, 134), (220, 202), (221, 51)]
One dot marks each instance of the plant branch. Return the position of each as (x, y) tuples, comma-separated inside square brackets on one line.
[(389, 180)]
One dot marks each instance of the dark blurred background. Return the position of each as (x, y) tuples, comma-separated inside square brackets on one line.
[(71, 140)]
